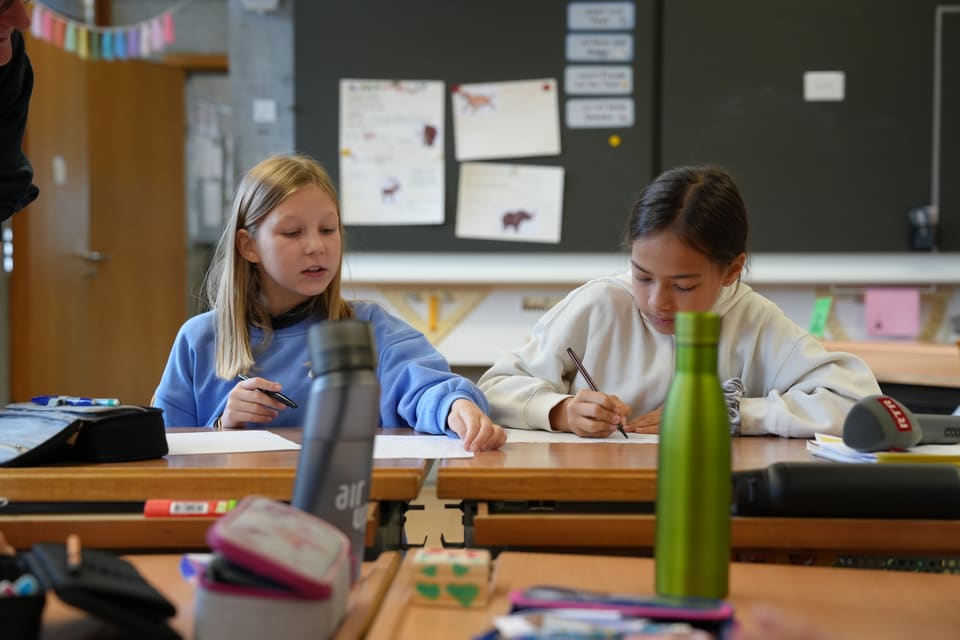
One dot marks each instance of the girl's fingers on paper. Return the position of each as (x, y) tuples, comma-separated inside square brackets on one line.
[(489, 436), (596, 407), (468, 421), (586, 419), (586, 427), (622, 408)]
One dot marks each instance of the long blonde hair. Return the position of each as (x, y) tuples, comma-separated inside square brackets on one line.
[(232, 284)]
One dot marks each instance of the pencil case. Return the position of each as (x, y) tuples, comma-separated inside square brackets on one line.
[(831, 490), (104, 585), (712, 615), (273, 567), (32, 435)]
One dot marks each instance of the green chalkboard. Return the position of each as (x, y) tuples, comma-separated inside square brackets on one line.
[(714, 82), (817, 176), (458, 42)]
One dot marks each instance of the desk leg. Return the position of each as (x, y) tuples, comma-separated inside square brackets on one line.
[(390, 534), (468, 509)]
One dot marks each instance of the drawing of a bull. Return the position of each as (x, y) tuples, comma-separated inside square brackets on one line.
[(514, 218)]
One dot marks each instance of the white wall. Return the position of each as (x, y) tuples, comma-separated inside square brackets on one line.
[(500, 321)]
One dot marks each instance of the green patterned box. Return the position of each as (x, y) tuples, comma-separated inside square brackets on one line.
[(451, 577)]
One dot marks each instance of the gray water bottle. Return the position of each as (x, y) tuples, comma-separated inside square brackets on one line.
[(343, 414)]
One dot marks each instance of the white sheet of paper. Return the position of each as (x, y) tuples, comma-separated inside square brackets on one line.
[(391, 152), (418, 446), (506, 119), (525, 435), (522, 203), (236, 441)]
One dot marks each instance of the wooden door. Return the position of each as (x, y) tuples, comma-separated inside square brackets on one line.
[(98, 289)]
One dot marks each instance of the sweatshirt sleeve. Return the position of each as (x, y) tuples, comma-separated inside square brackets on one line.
[(176, 392), (417, 387), (811, 391), (16, 174), (524, 384)]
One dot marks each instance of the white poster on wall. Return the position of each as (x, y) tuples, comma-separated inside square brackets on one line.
[(391, 152), (521, 203), (506, 119)]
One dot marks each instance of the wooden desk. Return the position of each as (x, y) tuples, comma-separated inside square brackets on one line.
[(908, 363), (63, 622), (125, 485), (843, 603), (585, 472), (577, 496), (925, 377)]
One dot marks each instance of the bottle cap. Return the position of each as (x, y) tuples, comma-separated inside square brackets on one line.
[(696, 327), (337, 345)]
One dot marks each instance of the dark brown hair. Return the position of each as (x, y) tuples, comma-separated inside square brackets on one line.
[(701, 205)]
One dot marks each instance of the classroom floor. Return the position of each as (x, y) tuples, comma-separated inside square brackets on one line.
[(434, 520)]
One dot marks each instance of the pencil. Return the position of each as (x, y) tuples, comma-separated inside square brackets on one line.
[(586, 376), (74, 554)]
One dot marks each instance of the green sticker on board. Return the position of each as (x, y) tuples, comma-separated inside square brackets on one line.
[(821, 312)]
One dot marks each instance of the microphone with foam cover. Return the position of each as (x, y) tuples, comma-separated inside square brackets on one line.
[(879, 423)]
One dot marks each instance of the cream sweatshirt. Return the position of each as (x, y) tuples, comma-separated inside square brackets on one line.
[(793, 386)]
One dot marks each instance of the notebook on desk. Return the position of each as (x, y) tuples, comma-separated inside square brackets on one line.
[(832, 448)]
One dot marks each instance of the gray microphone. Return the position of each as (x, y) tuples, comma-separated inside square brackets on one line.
[(880, 423)]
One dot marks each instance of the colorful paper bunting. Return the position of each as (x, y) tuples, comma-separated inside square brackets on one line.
[(90, 42)]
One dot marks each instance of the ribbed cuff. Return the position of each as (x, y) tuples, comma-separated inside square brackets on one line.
[(733, 390)]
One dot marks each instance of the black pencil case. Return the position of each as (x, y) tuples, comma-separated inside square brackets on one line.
[(104, 585), (831, 490), (33, 435)]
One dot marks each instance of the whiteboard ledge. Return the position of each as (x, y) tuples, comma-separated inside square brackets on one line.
[(572, 269)]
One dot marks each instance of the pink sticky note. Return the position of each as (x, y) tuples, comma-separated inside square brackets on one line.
[(892, 312)]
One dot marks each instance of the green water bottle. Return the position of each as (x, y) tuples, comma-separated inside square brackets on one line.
[(692, 552)]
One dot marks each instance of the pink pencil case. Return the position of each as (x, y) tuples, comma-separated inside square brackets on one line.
[(274, 567), (713, 615)]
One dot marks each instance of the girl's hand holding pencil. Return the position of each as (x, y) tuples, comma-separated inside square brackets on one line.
[(590, 414)]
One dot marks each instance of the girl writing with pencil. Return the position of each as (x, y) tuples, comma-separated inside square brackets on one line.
[(687, 235), (277, 270)]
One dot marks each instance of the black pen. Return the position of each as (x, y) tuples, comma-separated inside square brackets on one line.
[(273, 394), (586, 376)]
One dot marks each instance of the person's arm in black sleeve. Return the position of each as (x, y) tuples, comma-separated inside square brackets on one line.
[(16, 174)]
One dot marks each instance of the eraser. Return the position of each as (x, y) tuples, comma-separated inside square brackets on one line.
[(451, 577)]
